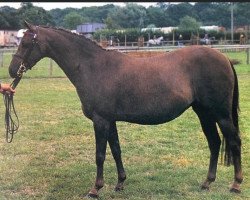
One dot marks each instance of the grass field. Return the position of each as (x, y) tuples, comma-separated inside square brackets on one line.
[(52, 156)]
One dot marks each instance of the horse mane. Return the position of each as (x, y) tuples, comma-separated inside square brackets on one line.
[(81, 37)]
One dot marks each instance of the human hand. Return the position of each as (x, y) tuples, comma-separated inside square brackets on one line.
[(6, 88)]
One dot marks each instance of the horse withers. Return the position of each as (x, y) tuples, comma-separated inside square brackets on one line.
[(113, 86)]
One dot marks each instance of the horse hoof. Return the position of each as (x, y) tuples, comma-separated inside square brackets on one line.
[(119, 188), (235, 189), (92, 196), (205, 186)]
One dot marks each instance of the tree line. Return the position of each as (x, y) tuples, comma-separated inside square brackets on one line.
[(132, 15)]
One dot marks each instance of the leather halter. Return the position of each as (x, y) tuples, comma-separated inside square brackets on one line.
[(22, 67)]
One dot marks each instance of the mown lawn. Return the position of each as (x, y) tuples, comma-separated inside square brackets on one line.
[(53, 154)]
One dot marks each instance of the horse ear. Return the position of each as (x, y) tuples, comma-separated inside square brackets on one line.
[(29, 26)]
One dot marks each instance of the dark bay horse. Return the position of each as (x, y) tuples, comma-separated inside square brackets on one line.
[(113, 86)]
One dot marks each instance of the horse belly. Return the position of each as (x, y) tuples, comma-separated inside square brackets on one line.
[(157, 112)]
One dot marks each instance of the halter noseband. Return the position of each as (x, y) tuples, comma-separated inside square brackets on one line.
[(22, 67)]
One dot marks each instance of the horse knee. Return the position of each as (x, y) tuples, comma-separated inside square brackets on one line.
[(100, 158), (116, 152), (215, 147)]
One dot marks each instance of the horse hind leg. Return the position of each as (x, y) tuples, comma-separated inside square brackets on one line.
[(231, 135), (209, 128)]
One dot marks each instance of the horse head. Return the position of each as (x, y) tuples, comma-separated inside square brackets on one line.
[(28, 53)]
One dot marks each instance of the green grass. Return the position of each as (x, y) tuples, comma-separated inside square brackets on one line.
[(52, 156)]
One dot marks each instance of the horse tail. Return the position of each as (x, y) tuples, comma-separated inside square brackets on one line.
[(235, 117), (236, 107)]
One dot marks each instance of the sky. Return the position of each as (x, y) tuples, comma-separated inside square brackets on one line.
[(62, 5)]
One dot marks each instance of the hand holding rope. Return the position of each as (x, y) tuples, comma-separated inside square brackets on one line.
[(11, 125)]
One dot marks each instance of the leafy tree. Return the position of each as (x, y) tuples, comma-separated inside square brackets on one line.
[(103, 12), (222, 16), (206, 12), (95, 13), (158, 16), (162, 5), (214, 13), (8, 18), (242, 13), (88, 14), (72, 19), (34, 14), (4, 24), (110, 23), (189, 24), (59, 14), (177, 11), (26, 5), (130, 16)]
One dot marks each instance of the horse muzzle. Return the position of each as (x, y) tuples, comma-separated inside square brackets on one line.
[(15, 71)]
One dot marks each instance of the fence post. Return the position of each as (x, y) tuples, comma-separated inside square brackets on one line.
[(248, 51), (173, 38), (1, 58)]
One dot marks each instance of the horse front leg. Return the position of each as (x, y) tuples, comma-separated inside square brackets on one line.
[(101, 127), (116, 152)]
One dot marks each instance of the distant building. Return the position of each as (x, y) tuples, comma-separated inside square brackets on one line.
[(212, 28), (88, 29), (168, 29), (8, 38), (162, 29)]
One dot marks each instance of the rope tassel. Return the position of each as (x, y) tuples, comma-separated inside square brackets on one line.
[(12, 122), (11, 125)]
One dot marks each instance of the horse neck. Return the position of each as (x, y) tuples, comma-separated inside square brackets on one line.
[(71, 53)]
